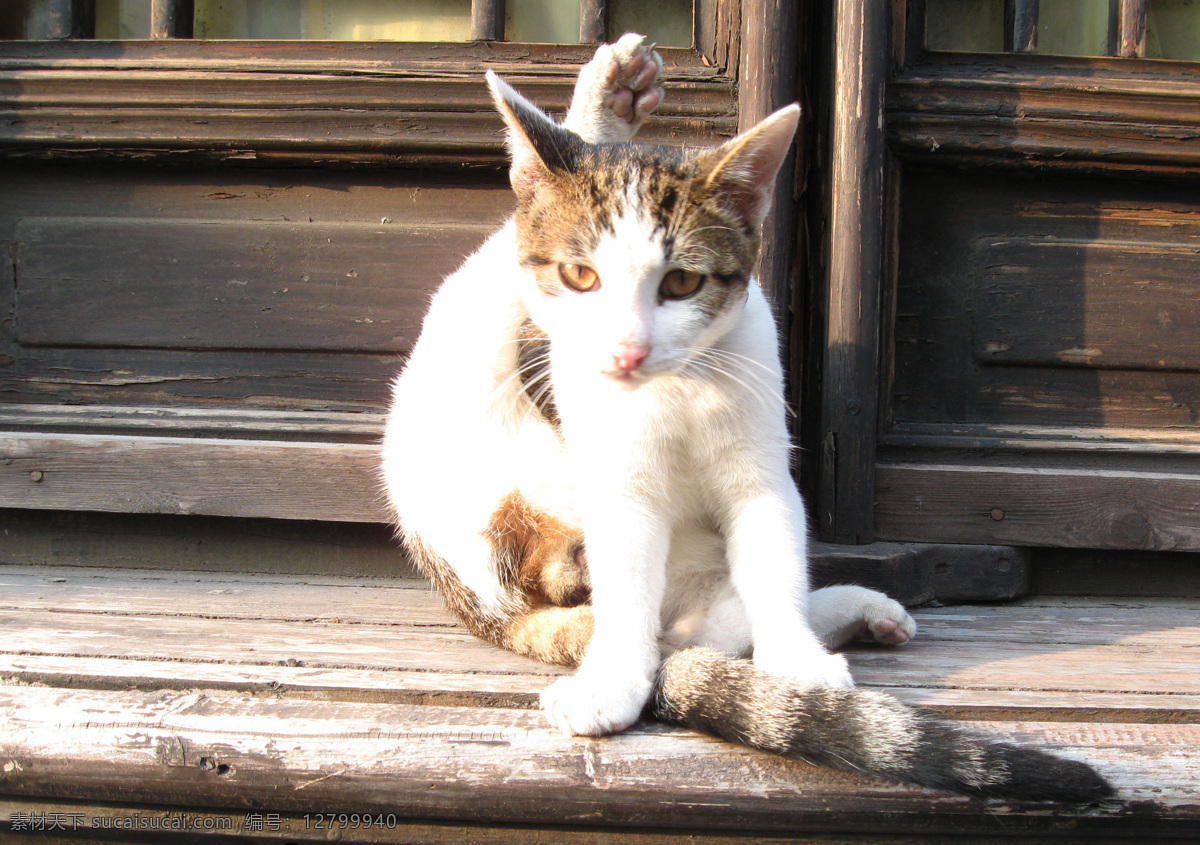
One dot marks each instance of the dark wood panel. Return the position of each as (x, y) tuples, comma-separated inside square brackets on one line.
[(1040, 506), (1125, 305), (1054, 267), (196, 284), (211, 219)]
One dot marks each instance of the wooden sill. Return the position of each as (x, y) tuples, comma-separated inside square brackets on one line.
[(250, 698)]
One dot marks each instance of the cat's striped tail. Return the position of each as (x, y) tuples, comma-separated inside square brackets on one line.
[(859, 730)]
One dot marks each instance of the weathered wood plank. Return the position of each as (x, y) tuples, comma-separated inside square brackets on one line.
[(1139, 303), (1155, 665), (411, 602), (1036, 112), (379, 114), (516, 690), (159, 747), (1032, 505), (288, 480), (202, 284), (851, 366)]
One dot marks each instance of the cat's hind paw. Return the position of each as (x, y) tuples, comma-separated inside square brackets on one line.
[(885, 621), (616, 91)]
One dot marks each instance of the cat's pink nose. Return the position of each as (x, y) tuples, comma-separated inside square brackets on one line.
[(629, 356)]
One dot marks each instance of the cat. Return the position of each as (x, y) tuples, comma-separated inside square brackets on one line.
[(588, 455)]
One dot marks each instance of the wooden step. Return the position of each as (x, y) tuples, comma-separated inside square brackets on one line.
[(126, 692)]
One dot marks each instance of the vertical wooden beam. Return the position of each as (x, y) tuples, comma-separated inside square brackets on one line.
[(171, 18), (1021, 26), (767, 81), (487, 20), (851, 369), (1127, 28), (53, 19), (593, 21)]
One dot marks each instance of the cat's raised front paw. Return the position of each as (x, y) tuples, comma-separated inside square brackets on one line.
[(631, 78), (583, 705), (616, 91)]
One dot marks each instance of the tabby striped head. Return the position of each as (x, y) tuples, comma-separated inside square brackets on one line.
[(637, 256)]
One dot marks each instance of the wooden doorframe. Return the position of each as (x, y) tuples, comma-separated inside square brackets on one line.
[(852, 295)]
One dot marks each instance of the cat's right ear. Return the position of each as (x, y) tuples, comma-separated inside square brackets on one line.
[(539, 147)]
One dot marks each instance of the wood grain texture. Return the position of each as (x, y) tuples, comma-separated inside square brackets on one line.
[(1044, 506), (285, 480), (1048, 112), (197, 284), (768, 71), (365, 102), (1139, 304), (170, 690), (851, 369), (200, 252)]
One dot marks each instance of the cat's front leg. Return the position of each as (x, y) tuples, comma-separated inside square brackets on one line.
[(626, 553), (616, 91), (767, 548)]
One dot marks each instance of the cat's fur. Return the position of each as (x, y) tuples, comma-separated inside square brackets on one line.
[(647, 420)]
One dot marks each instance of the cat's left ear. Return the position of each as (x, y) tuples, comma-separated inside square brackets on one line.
[(537, 144), (746, 167)]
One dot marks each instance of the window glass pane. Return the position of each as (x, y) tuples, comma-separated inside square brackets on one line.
[(668, 23), (1073, 28), (122, 19), (975, 26), (542, 21), (12, 18), (1065, 27), (1173, 29), (335, 20)]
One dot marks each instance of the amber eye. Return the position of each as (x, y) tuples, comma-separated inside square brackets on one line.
[(680, 284), (577, 277)]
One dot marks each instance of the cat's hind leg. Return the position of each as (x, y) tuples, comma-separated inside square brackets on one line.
[(616, 91), (841, 614)]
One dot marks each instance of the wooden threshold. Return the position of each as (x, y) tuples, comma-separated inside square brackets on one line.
[(241, 698)]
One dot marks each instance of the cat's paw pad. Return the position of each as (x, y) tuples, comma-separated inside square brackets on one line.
[(631, 77), (888, 623), (615, 91), (585, 706)]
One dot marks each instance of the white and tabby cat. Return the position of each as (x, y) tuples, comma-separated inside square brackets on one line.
[(604, 371)]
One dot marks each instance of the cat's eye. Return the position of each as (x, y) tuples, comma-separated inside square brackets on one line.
[(680, 284), (577, 277)]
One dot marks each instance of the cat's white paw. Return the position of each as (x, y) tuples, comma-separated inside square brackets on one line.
[(631, 78), (888, 622), (616, 91), (844, 613), (809, 666), (585, 705)]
